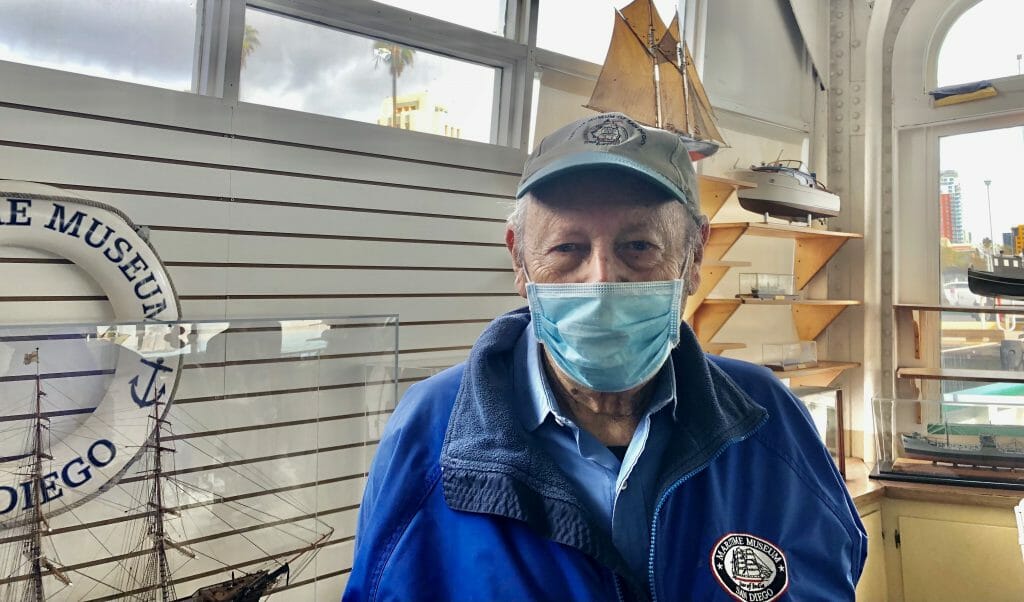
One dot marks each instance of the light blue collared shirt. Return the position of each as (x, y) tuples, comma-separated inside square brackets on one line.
[(621, 495)]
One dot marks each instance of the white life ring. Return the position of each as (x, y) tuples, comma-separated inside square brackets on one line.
[(107, 245)]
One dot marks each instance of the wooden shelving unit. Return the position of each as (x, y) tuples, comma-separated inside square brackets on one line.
[(810, 317), (715, 191), (981, 376), (711, 273), (716, 348), (919, 340), (813, 250), (819, 376)]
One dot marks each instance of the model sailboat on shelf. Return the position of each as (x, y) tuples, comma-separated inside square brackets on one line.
[(649, 75)]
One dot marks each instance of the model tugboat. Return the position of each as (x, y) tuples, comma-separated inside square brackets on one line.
[(1005, 280), (785, 191)]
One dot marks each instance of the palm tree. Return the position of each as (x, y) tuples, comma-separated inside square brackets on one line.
[(397, 58), (250, 42)]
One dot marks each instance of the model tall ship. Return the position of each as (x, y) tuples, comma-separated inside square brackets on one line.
[(649, 75), (1005, 280), (142, 570), (785, 190)]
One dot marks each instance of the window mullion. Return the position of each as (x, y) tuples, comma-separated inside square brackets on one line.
[(234, 33)]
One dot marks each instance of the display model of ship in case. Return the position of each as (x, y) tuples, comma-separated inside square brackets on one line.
[(146, 574), (649, 75), (1005, 280), (785, 191), (986, 453)]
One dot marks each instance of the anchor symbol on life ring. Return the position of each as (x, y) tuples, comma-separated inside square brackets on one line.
[(140, 400)]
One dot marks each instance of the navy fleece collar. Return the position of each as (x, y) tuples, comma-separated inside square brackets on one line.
[(490, 465)]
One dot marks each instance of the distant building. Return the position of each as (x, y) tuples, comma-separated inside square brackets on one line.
[(419, 113), (951, 211), (1017, 238)]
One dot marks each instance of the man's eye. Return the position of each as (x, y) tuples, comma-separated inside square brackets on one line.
[(568, 247), (639, 245)]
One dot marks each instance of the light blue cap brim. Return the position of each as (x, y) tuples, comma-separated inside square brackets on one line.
[(585, 160)]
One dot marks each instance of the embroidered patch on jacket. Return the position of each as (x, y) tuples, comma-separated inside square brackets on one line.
[(751, 569)]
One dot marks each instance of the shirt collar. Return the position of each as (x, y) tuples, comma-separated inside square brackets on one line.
[(542, 401)]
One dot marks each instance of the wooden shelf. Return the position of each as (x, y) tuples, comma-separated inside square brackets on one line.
[(709, 317), (1009, 310), (715, 191), (711, 273), (810, 316), (717, 348), (813, 250), (968, 374), (821, 375)]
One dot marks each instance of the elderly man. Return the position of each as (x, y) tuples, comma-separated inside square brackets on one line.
[(588, 449)]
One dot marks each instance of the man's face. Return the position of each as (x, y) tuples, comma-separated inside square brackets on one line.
[(605, 229)]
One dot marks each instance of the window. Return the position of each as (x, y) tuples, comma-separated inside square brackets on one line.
[(148, 42), (984, 43), (483, 15), (981, 226), (583, 28), (317, 69)]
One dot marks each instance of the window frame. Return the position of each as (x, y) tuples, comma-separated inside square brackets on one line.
[(372, 19)]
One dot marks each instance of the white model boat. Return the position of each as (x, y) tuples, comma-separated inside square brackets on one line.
[(785, 191)]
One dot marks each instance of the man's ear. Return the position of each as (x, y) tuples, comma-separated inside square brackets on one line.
[(693, 279), (517, 264)]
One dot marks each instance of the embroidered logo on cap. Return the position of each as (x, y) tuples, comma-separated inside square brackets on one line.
[(607, 131), (751, 569)]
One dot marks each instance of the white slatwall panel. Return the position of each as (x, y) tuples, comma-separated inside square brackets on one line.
[(260, 212)]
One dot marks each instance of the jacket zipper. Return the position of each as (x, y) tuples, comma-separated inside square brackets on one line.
[(618, 587), (684, 478)]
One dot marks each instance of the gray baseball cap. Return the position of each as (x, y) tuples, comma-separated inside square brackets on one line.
[(615, 141)]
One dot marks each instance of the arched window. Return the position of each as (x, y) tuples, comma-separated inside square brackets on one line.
[(984, 43)]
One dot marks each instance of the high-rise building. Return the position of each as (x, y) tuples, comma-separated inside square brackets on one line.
[(420, 113), (951, 207)]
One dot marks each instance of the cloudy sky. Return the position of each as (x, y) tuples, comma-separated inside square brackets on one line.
[(147, 42), (985, 43), (312, 68)]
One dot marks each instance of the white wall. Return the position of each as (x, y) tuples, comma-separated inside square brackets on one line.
[(261, 212)]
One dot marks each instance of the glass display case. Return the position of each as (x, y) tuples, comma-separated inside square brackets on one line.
[(789, 356), (825, 405), (243, 442), (767, 286), (973, 437)]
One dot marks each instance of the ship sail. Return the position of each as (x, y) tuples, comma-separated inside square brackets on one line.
[(626, 83), (649, 74)]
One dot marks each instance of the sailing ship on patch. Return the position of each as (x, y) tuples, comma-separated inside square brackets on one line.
[(155, 534), (649, 74)]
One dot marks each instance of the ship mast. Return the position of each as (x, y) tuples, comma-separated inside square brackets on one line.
[(37, 522), (158, 571)]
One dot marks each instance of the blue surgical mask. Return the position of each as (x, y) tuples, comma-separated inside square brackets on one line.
[(607, 336)]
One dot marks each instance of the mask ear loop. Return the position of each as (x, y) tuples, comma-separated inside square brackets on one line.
[(685, 273)]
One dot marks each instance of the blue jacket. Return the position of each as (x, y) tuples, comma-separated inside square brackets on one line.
[(461, 505)]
